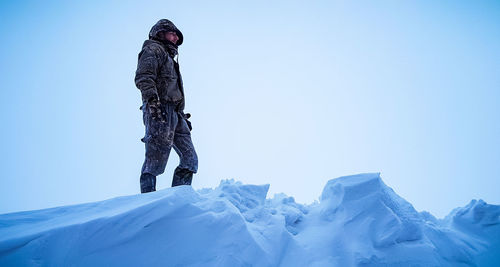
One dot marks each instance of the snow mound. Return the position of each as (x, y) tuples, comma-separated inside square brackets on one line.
[(359, 221)]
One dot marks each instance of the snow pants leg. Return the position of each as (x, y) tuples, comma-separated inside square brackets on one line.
[(162, 136)]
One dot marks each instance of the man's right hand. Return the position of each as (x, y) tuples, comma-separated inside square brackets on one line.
[(155, 110)]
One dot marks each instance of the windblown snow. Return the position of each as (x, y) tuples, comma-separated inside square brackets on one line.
[(359, 221)]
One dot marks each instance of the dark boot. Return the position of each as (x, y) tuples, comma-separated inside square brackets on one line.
[(148, 183), (182, 177)]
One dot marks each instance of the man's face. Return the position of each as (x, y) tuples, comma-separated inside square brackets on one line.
[(172, 37)]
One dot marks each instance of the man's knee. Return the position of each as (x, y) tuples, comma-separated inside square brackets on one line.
[(154, 166), (156, 158), (189, 162)]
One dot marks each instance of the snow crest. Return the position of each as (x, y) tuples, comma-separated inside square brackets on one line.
[(359, 221)]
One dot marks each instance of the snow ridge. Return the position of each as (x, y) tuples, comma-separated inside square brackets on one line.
[(359, 221)]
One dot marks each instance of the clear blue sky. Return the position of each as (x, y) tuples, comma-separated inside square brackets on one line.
[(282, 92)]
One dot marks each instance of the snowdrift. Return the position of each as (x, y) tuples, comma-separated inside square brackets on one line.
[(359, 221)]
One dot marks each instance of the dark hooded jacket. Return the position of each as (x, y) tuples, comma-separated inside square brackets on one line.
[(157, 74)]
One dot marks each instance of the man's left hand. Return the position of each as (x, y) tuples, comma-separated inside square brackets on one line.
[(186, 117)]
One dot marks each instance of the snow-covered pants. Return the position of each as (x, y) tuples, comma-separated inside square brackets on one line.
[(162, 136)]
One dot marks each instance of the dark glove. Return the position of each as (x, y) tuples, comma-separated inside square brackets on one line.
[(155, 110), (186, 117)]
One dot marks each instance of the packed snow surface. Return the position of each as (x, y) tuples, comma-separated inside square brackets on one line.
[(359, 221)]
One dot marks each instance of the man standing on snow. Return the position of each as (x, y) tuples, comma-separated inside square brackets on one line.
[(160, 82)]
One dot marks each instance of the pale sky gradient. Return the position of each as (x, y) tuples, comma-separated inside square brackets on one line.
[(290, 93)]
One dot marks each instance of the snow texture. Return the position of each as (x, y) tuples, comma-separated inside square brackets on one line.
[(359, 221)]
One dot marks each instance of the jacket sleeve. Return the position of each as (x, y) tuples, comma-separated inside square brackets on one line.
[(147, 71)]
